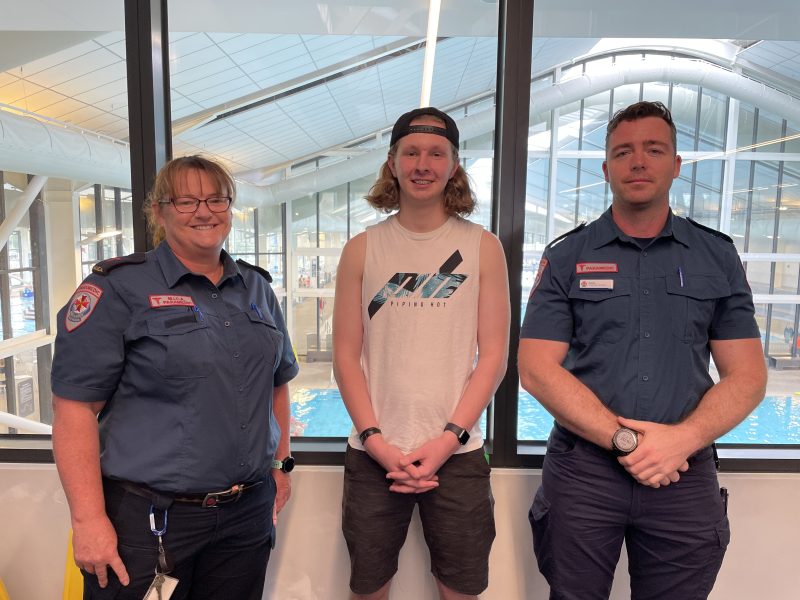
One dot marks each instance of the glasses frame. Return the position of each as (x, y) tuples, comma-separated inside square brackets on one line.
[(197, 202)]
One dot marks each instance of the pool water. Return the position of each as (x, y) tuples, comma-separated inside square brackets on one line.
[(321, 413)]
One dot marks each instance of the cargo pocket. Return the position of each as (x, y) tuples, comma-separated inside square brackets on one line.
[(539, 517), (692, 299), (185, 348), (267, 337)]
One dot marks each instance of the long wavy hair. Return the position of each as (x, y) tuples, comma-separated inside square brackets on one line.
[(459, 199), (167, 182)]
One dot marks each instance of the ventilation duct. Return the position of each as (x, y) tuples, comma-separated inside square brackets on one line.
[(31, 146)]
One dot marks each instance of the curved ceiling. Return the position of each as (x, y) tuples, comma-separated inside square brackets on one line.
[(324, 76)]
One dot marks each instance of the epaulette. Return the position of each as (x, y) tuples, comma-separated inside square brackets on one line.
[(264, 273), (104, 267), (713, 232), (563, 235)]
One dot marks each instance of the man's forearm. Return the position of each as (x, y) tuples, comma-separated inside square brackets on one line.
[(743, 380), (480, 390), (572, 404), (722, 408)]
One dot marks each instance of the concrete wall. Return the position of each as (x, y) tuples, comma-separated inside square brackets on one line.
[(310, 562)]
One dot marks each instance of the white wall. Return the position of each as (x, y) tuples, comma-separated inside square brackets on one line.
[(310, 562)]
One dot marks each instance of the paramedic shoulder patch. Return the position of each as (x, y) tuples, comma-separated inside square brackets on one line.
[(82, 305)]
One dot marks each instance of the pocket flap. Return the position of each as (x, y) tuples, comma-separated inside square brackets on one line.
[(699, 287)]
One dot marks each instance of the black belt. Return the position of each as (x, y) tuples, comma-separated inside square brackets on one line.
[(204, 499)]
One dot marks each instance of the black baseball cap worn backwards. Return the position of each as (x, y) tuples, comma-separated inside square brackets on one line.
[(403, 126)]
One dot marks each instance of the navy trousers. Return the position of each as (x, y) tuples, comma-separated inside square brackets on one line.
[(588, 504), (219, 552)]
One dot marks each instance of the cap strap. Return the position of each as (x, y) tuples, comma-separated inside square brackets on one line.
[(426, 129)]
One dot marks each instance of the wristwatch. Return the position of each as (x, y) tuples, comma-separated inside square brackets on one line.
[(461, 433), (286, 465), (625, 441)]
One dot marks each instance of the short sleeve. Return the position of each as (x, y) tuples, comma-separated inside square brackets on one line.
[(734, 315), (548, 315), (287, 367), (89, 352)]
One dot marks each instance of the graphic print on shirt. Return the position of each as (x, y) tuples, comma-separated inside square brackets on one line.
[(440, 285)]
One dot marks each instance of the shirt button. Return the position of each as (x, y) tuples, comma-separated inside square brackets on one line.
[(644, 253), (241, 388), (647, 334), (227, 323), (214, 295), (243, 426), (241, 464), (235, 355), (646, 292), (645, 378)]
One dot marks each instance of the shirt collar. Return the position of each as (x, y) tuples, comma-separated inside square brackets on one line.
[(607, 231), (174, 270)]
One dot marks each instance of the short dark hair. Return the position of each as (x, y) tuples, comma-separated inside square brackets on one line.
[(641, 110)]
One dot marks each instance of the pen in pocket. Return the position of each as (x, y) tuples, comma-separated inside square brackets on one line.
[(680, 275), (199, 313), (256, 310)]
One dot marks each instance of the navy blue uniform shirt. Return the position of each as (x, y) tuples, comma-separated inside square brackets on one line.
[(638, 320), (187, 370)]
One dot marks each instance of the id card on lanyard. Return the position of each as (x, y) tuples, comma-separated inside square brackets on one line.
[(163, 586)]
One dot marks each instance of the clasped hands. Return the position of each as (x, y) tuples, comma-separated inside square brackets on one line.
[(415, 472), (661, 455)]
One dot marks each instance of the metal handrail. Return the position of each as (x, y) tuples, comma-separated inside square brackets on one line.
[(10, 420)]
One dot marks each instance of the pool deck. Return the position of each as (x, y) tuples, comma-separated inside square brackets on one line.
[(319, 375)]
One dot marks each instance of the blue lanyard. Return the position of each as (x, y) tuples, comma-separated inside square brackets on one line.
[(157, 532)]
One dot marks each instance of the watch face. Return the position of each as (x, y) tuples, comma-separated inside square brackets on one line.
[(625, 440), (288, 464)]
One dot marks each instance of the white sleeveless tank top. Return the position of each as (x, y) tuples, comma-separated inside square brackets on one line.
[(420, 316)]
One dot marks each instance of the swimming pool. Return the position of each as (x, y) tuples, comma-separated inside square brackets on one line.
[(321, 413)]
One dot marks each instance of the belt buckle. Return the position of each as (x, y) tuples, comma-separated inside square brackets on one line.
[(232, 494)]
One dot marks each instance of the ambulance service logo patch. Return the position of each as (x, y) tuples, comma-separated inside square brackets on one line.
[(82, 305), (539, 272)]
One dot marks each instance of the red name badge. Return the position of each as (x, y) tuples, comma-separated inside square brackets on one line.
[(157, 301), (595, 267)]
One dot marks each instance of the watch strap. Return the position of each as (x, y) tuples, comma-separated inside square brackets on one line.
[(286, 465), (362, 437), (461, 433)]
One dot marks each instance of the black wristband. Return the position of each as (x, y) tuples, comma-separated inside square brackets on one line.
[(366, 433)]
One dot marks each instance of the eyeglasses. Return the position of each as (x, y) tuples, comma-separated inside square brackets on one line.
[(190, 204)]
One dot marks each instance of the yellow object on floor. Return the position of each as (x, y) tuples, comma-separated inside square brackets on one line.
[(3, 591), (73, 580)]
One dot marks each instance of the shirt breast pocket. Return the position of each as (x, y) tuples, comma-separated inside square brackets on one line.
[(601, 315), (182, 348), (268, 339), (692, 299)]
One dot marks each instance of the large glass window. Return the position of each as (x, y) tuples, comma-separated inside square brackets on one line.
[(64, 118), (723, 184), (299, 109), (302, 119)]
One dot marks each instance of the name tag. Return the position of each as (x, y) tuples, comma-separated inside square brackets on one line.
[(157, 301), (597, 284), (598, 267)]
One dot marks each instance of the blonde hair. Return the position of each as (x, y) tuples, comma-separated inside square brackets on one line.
[(166, 183), (459, 199)]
